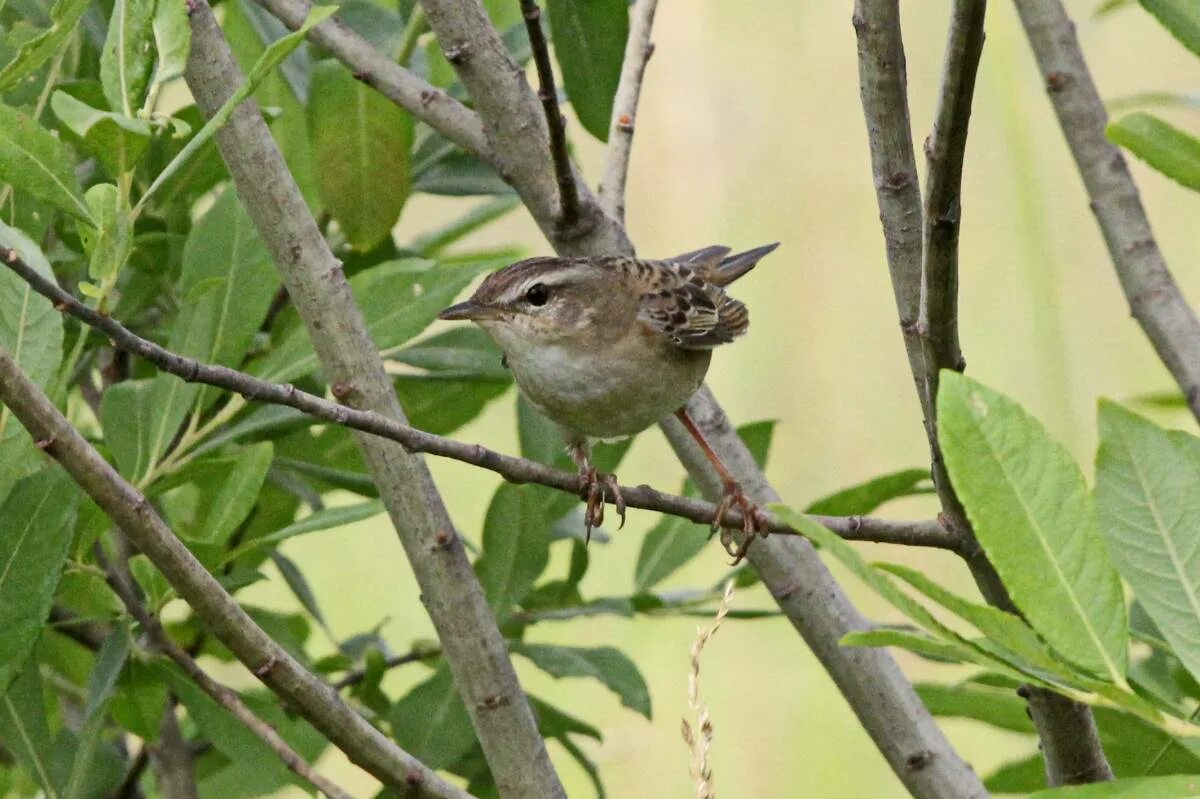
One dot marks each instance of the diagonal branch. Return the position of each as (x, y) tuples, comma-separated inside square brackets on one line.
[(224, 696), (1067, 729), (568, 215), (474, 649), (136, 517), (638, 49), (439, 110), (1154, 297), (516, 470)]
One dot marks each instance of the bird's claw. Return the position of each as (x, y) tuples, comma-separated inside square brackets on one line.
[(596, 487), (754, 521)]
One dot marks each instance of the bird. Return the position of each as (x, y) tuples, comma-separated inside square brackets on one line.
[(607, 346)]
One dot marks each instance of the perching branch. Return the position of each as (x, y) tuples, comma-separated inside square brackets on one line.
[(1154, 297), (135, 516), (513, 469), (638, 49), (1065, 728), (568, 215), (474, 649), (224, 696)]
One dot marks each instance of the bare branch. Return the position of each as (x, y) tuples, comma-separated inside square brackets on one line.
[(121, 584), (1064, 726), (135, 516), (568, 215), (638, 49), (944, 152), (516, 470), (483, 674), (1154, 297), (173, 762), (439, 110)]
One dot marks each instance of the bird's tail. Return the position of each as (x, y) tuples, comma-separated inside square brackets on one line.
[(734, 266)]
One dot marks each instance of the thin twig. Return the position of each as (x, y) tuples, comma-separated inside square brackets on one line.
[(638, 49), (517, 470), (131, 512), (1153, 295), (1064, 726), (395, 661), (226, 697), (568, 215)]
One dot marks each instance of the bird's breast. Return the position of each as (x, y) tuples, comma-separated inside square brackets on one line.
[(613, 391)]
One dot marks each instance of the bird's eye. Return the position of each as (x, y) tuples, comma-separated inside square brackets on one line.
[(538, 294)]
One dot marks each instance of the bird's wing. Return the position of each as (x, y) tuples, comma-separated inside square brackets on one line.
[(689, 311)]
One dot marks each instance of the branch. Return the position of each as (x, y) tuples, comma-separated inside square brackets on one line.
[(224, 696), (944, 152), (1064, 727), (638, 49), (1154, 297), (515, 470), (483, 674), (568, 216), (135, 516), (439, 110), (173, 762)]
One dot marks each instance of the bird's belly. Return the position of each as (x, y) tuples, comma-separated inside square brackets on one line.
[(604, 395)]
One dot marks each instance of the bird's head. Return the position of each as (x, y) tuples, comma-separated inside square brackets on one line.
[(540, 301)]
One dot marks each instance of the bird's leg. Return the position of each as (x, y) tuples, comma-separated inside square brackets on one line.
[(754, 523), (595, 486)]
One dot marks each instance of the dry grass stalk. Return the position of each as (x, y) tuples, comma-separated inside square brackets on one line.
[(699, 745)]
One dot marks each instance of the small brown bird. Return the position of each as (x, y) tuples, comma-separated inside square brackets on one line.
[(606, 347)]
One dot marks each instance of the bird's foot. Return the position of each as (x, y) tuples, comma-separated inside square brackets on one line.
[(596, 487), (754, 521)]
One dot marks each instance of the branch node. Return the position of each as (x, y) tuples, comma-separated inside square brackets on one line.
[(493, 702), (458, 54), (919, 760), (263, 669), (1057, 81)]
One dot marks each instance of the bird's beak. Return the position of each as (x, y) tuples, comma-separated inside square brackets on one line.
[(469, 310)]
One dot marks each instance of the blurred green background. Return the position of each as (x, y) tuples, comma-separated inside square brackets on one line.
[(750, 130)]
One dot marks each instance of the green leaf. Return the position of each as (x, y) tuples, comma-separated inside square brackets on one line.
[(608, 665), (999, 708), (35, 51), (866, 497), (918, 643), (361, 143), (1148, 499), (24, 729), (1180, 17), (1161, 145), (102, 684), (125, 416), (320, 520), (30, 329), (431, 723), (399, 299), (108, 135), (36, 524), (109, 244), (433, 243), (460, 373), (516, 545), (589, 42), (1004, 629), (238, 493), (1033, 515), (1177, 787), (172, 39), (300, 588), (33, 161), (225, 244), (128, 56)]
